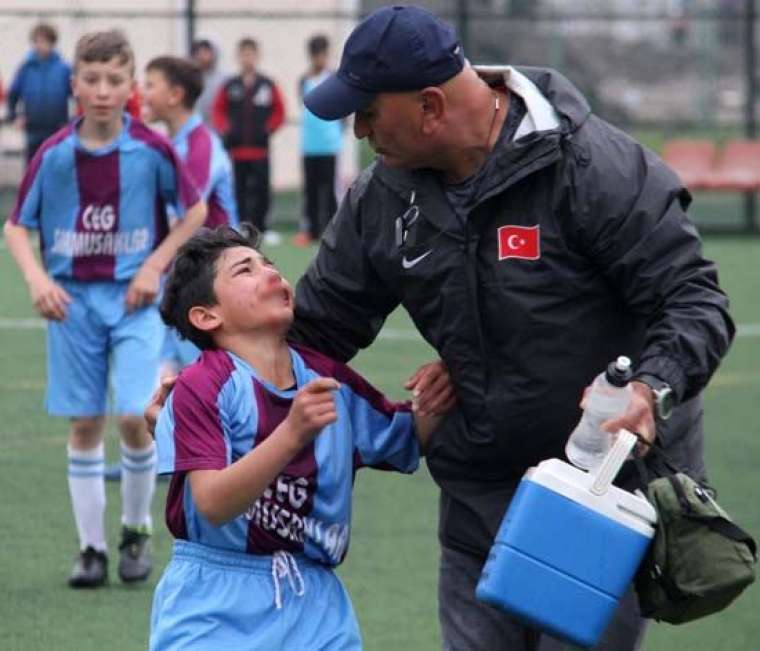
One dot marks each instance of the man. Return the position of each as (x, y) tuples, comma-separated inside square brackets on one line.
[(205, 55), (247, 110), (42, 84), (531, 243), (321, 142)]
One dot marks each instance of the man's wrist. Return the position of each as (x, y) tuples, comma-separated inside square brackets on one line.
[(662, 394)]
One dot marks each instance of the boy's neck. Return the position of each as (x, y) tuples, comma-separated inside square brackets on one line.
[(177, 120), (267, 353), (95, 135)]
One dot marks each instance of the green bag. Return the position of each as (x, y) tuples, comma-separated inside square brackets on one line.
[(699, 560)]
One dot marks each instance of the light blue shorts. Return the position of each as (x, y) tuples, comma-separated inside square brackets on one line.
[(216, 599), (177, 351), (98, 335)]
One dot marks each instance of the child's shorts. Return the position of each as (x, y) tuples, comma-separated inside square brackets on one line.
[(99, 334), (178, 352), (216, 599)]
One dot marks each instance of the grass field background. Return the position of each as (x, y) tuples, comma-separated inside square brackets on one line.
[(391, 566)]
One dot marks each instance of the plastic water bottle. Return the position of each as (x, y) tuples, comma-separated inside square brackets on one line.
[(608, 398)]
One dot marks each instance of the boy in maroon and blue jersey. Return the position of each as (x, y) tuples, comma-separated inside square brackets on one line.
[(172, 87), (97, 192), (263, 441)]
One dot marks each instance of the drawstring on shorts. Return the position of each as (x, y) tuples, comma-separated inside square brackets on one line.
[(284, 566)]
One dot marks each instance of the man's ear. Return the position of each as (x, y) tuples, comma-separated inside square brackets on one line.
[(206, 319), (433, 109)]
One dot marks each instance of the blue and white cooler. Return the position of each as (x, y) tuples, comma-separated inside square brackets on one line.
[(568, 547)]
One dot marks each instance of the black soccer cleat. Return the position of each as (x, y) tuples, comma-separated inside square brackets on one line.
[(90, 569), (135, 558)]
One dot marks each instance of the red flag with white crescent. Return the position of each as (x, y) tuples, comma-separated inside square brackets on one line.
[(522, 242)]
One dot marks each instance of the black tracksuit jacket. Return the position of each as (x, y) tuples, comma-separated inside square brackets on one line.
[(620, 271)]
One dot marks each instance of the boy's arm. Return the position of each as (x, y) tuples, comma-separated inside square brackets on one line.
[(222, 495), (48, 297), (145, 285)]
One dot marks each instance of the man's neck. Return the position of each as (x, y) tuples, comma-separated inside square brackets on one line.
[(249, 77), (95, 135), (267, 353), (177, 120), (466, 159)]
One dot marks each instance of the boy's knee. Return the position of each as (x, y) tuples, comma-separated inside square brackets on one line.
[(86, 433), (134, 431)]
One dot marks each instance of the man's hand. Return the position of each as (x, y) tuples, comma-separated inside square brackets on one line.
[(49, 298), (157, 401), (144, 287), (638, 417), (432, 391)]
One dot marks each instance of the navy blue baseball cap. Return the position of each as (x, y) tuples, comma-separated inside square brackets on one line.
[(394, 49)]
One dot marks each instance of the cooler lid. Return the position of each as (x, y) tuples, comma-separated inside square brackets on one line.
[(629, 509)]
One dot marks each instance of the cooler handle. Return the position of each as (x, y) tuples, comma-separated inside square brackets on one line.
[(609, 468)]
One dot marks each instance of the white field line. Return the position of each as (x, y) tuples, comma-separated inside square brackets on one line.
[(392, 334)]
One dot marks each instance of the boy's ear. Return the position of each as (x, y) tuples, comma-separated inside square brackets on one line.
[(204, 318)]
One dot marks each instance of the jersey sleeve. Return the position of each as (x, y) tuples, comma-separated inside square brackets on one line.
[(384, 434), (26, 211), (176, 186), (190, 432)]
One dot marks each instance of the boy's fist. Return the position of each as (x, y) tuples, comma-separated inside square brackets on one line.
[(313, 408)]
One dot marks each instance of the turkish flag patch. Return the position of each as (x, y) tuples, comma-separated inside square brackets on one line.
[(522, 242)]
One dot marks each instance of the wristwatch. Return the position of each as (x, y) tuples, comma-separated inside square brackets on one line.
[(664, 398)]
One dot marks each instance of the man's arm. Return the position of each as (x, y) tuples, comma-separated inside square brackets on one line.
[(145, 285), (48, 297), (341, 302), (14, 94)]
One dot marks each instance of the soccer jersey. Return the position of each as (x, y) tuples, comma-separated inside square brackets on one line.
[(101, 212), (210, 168), (220, 409)]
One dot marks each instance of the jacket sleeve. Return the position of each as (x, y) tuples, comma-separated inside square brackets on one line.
[(341, 302), (634, 226), (14, 93)]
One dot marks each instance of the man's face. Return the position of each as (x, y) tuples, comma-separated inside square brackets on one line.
[(42, 46), (159, 96), (248, 58), (391, 124), (204, 57), (102, 88), (251, 294)]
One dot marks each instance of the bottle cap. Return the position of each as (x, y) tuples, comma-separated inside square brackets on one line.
[(619, 372)]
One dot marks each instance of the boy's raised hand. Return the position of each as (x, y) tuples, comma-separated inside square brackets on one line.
[(49, 298), (313, 408), (143, 288)]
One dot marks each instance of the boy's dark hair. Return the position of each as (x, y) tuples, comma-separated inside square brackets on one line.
[(317, 45), (46, 31), (102, 47), (180, 72), (248, 42), (191, 280)]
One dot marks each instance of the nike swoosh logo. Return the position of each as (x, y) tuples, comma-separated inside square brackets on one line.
[(408, 264)]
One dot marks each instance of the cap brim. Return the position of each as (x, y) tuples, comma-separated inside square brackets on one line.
[(334, 99)]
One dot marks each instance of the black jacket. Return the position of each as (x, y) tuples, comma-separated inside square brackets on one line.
[(620, 271)]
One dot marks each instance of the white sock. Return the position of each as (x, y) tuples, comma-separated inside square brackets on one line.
[(88, 495), (138, 483)]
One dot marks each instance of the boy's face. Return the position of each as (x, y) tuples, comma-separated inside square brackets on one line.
[(160, 97), (319, 60), (102, 88), (251, 294), (42, 46), (204, 57), (248, 58)]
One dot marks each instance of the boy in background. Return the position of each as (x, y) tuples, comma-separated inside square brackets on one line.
[(321, 141), (263, 441), (97, 191), (43, 85), (247, 110), (172, 87)]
